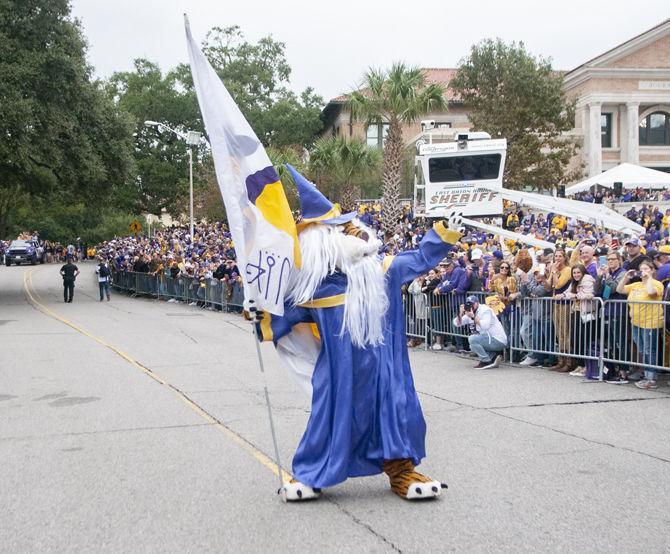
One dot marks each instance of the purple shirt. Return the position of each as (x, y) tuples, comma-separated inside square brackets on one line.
[(663, 273), (592, 270)]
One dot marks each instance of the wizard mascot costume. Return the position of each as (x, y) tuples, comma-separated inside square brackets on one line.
[(343, 336)]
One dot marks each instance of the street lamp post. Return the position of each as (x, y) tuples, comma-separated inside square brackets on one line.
[(192, 138)]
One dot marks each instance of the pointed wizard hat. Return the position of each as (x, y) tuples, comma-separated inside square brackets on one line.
[(314, 206)]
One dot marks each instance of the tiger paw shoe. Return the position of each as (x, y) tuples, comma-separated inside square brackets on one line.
[(410, 484), (295, 491)]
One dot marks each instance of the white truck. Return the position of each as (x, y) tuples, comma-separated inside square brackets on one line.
[(464, 174)]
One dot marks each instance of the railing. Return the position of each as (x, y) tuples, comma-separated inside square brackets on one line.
[(556, 328), (207, 293), (417, 316), (617, 333), (598, 333), (443, 308)]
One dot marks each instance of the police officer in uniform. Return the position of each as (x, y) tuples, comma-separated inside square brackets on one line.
[(69, 272)]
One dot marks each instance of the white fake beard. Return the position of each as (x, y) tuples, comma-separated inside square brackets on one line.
[(326, 249)]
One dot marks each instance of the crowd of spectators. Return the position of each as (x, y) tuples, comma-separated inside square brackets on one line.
[(609, 197), (560, 327), (561, 332), (484, 270), (203, 262)]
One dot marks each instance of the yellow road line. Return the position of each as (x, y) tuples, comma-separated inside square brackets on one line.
[(238, 439)]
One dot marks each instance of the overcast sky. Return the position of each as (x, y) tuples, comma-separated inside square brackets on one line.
[(329, 45)]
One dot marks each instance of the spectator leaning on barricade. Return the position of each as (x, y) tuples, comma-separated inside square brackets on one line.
[(487, 337), (418, 300), (476, 270), (583, 321), (537, 335), (505, 287), (427, 288), (524, 312), (646, 316), (609, 276), (453, 288), (543, 327), (559, 282), (438, 306)]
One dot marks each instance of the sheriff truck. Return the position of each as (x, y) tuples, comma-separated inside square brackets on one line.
[(464, 173)]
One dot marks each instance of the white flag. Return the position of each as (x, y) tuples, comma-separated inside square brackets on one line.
[(259, 217)]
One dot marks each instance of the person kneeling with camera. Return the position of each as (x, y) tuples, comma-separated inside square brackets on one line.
[(487, 337)]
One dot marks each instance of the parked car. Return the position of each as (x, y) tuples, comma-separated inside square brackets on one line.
[(22, 251)]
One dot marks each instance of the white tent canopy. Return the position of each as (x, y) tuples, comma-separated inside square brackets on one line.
[(630, 175)]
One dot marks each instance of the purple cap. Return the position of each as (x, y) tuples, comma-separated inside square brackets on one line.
[(472, 298)]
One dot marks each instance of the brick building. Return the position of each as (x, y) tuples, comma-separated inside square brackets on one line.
[(622, 99)]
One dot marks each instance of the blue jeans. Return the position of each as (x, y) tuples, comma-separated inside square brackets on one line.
[(646, 341), (526, 331), (485, 347), (543, 339), (104, 289)]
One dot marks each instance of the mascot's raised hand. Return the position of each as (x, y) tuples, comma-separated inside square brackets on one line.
[(454, 221)]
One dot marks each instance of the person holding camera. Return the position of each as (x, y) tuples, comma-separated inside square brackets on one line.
[(646, 318), (614, 313), (634, 257), (487, 337)]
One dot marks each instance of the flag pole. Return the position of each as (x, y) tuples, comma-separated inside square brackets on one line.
[(269, 406), (223, 120)]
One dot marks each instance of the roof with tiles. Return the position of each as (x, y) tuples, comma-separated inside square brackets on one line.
[(433, 75)]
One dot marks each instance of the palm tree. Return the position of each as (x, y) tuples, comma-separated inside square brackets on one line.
[(342, 164), (398, 96)]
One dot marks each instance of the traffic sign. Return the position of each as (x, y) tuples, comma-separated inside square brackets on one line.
[(135, 227)]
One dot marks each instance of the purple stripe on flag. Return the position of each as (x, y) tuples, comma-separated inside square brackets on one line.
[(256, 182)]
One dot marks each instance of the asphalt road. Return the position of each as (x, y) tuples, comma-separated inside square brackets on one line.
[(140, 426)]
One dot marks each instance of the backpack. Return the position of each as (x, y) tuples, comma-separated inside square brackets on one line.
[(103, 271)]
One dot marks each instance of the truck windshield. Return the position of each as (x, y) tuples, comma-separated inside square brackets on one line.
[(464, 168)]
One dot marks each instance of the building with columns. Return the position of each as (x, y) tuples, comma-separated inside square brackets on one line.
[(622, 106), (623, 103)]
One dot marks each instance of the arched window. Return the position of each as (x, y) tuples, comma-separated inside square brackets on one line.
[(655, 129)]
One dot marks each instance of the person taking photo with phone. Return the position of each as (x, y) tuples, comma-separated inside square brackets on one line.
[(646, 317)]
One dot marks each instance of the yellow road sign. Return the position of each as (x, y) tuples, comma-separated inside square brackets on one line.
[(135, 227)]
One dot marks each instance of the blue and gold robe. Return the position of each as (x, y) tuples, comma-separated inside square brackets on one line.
[(365, 408)]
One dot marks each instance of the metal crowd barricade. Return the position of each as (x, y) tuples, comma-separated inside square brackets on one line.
[(620, 333), (443, 309), (636, 334), (416, 316), (204, 292), (596, 332), (549, 328)]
